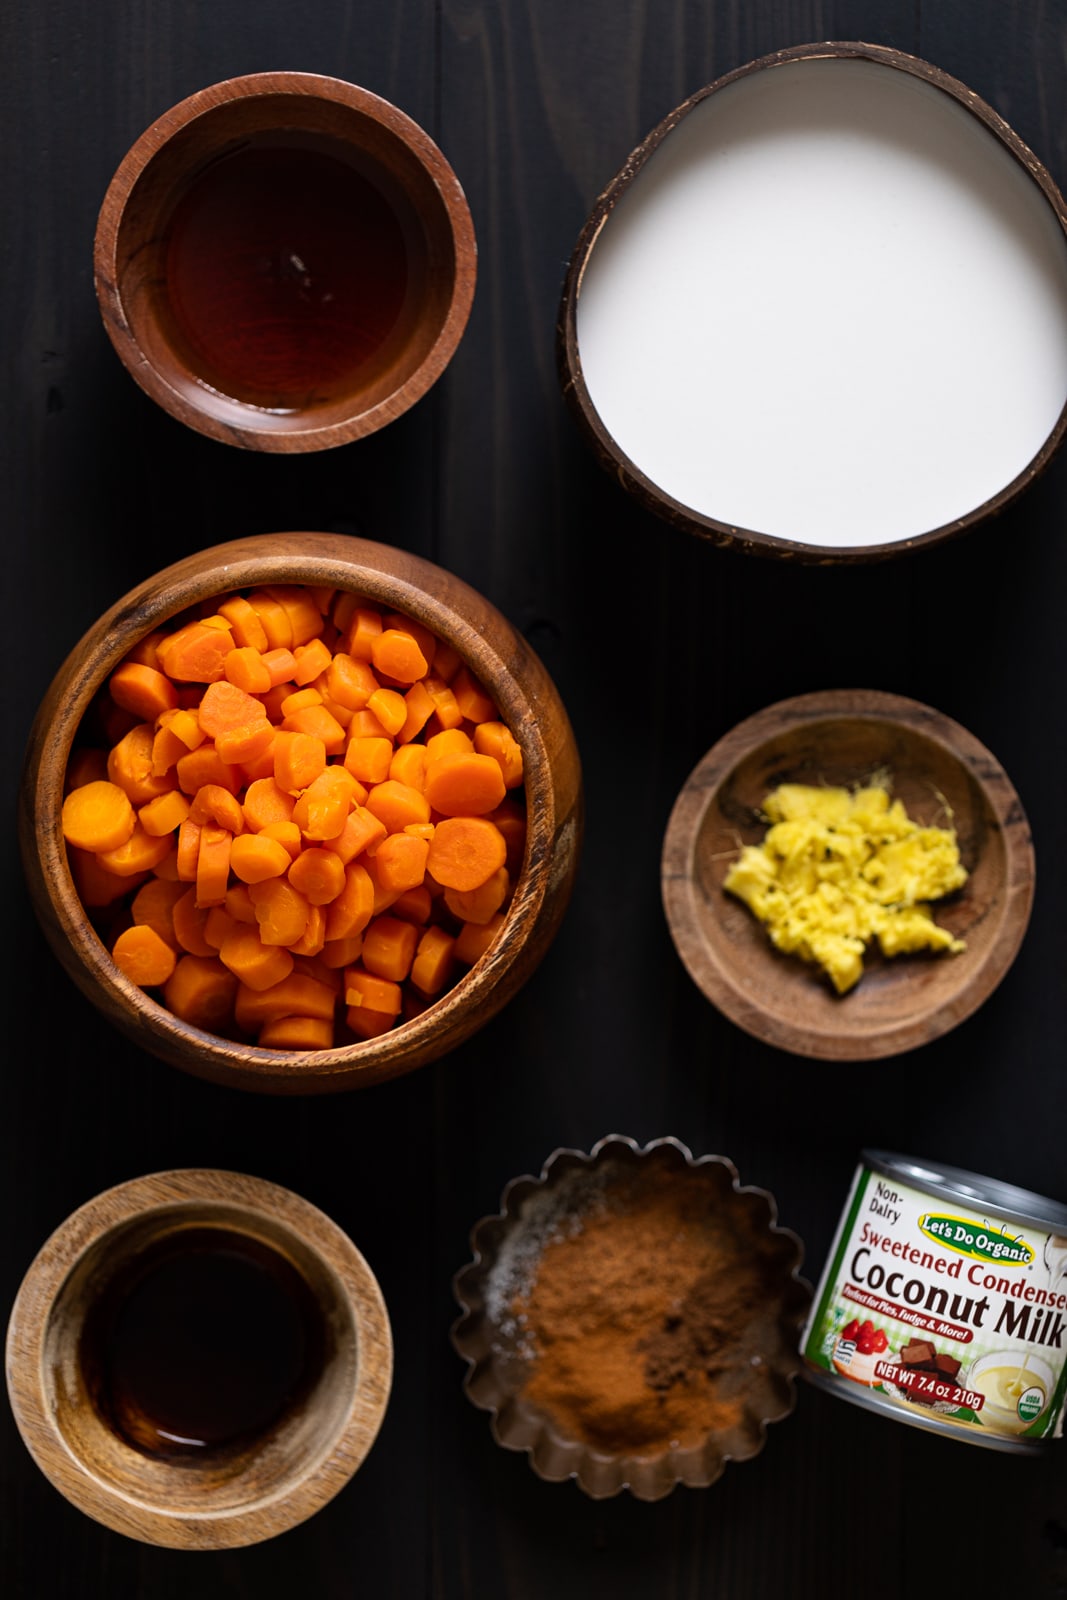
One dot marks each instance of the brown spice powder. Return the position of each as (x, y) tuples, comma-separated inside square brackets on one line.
[(637, 1318)]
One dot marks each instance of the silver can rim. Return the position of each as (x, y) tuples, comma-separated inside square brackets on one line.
[(1000, 1199)]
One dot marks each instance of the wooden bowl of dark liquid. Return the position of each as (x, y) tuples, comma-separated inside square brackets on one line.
[(285, 262), (199, 1359)]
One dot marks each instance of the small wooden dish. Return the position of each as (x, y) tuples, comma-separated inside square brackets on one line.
[(770, 317), (761, 1353), (497, 655), (216, 1500), (302, 111), (846, 737)]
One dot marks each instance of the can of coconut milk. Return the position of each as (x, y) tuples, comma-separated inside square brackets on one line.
[(944, 1304)]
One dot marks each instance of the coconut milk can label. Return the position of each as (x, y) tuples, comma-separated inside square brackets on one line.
[(944, 1311)]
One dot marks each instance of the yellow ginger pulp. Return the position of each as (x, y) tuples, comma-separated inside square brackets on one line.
[(838, 869)]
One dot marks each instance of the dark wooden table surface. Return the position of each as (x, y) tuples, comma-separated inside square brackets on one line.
[(536, 103)]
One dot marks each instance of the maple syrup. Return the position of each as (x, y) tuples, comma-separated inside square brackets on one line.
[(286, 271), (202, 1343)]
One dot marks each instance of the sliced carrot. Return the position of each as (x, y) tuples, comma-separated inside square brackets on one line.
[(366, 1023), (275, 619), (418, 709), (297, 1033), (349, 682), (205, 765), (281, 911), (396, 653), (218, 927), (389, 948), (255, 858), (390, 708), (248, 631), (495, 739), (188, 850), (245, 669), (299, 698), (465, 852), (252, 962), (263, 765), (317, 721), (474, 939), (319, 874), (139, 853), (445, 705), (238, 903), (414, 905), (365, 725), (266, 801), (98, 816), (129, 764), (299, 758), (153, 907), (305, 618), (201, 992), (364, 628), (434, 961), (287, 834), (143, 690), (377, 994), (398, 804), (313, 937), (341, 952), (189, 921), (322, 809), (311, 659), (280, 665), (464, 785), (471, 698), (481, 904), (351, 911), (449, 742), (369, 759), (295, 996), (165, 813), (213, 865), (145, 649), (185, 725), (510, 818), (213, 803), (362, 831), (196, 653), (167, 751), (143, 957), (401, 861), (408, 765)]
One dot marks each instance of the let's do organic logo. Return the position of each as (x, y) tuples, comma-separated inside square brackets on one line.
[(976, 1239)]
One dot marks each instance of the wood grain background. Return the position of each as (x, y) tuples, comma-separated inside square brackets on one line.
[(658, 644)]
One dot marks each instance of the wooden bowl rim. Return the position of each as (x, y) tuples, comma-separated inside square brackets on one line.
[(716, 981), (374, 570), (628, 473), (296, 85), (187, 1190)]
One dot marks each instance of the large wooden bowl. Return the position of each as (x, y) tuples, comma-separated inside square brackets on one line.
[(499, 657), (304, 111), (847, 737), (218, 1498)]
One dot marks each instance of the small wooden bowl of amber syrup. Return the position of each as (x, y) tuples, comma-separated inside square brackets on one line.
[(199, 1359), (285, 262), (631, 1317), (378, 978)]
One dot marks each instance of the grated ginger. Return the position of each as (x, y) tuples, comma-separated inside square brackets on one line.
[(838, 869)]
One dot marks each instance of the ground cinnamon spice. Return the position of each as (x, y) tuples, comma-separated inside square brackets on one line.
[(638, 1316)]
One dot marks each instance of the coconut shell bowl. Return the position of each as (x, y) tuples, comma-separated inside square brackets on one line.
[(548, 803)]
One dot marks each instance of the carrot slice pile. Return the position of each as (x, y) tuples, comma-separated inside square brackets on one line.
[(299, 820)]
